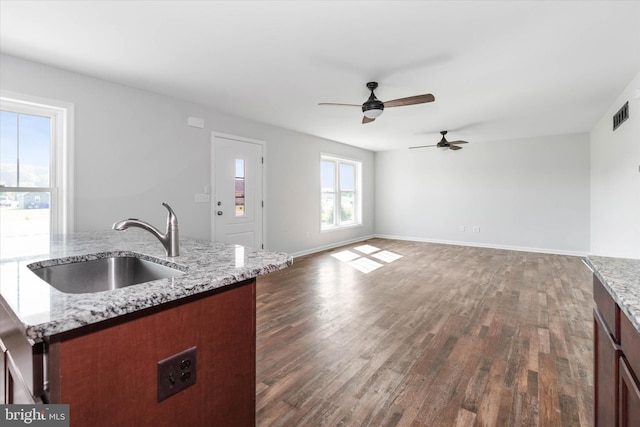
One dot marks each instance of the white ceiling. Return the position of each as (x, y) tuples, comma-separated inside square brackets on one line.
[(498, 70)]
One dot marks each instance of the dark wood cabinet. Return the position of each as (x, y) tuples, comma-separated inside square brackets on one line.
[(629, 395), (606, 355), (616, 363), (629, 386), (107, 373)]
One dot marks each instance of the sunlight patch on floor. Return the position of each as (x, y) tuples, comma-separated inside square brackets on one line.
[(386, 256), (365, 265), (345, 256), (367, 249)]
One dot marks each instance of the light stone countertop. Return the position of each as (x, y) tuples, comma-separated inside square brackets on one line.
[(621, 278), (43, 310)]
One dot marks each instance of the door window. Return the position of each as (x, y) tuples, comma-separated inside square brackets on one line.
[(240, 188)]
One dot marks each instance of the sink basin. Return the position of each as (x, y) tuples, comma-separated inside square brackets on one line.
[(103, 274)]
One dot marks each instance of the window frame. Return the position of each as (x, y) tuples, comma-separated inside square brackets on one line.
[(61, 169), (357, 208)]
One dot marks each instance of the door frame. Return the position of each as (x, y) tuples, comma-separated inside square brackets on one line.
[(263, 146)]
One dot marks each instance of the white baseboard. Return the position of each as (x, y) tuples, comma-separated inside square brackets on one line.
[(330, 246), (443, 242), (486, 245)]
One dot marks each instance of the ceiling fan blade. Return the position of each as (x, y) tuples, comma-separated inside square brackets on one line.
[(458, 142), (366, 119), (339, 105), (453, 147), (422, 146), (411, 100)]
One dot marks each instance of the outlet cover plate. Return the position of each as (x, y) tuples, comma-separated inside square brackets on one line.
[(175, 373), (202, 198)]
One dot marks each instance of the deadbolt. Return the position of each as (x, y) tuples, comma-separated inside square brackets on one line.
[(219, 203)]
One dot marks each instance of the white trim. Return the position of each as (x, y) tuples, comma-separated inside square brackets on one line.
[(485, 245), (331, 246), (63, 127), (340, 228), (442, 242), (263, 145), (215, 134)]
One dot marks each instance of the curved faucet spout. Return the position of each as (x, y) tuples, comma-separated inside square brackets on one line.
[(169, 239), (172, 219)]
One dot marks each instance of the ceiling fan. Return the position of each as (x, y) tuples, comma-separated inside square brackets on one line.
[(444, 144), (373, 107)]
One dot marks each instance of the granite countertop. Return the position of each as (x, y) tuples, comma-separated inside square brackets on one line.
[(621, 278), (45, 311)]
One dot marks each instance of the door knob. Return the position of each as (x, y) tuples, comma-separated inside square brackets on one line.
[(219, 213)]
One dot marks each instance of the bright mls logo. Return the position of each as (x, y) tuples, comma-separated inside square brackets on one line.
[(35, 415)]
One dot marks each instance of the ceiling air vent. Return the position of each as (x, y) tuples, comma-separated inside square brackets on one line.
[(621, 115)]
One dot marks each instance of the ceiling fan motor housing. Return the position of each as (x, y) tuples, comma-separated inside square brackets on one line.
[(373, 107), (444, 144)]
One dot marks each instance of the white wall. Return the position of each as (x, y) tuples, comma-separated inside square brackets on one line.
[(530, 194), (134, 149), (615, 180)]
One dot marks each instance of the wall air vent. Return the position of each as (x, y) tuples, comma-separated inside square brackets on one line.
[(621, 115)]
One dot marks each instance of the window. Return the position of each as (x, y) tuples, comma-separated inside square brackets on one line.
[(340, 195), (35, 171), (239, 185)]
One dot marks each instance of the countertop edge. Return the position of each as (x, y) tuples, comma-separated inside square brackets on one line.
[(614, 274), (113, 311), (39, 310)]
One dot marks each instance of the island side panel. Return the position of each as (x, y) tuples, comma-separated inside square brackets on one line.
[(109, 376)]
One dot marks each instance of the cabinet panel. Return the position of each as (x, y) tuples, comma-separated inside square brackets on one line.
[(3, 374), (606, 355), (17, 391), (630, 343), (629, 396), (609, 310), (109, 376)]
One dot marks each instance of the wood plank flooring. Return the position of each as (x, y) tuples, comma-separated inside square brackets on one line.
[(443, 336)]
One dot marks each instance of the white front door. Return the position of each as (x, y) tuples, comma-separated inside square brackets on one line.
[(237, 206)]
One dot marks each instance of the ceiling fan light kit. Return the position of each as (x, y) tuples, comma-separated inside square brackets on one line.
[(372, 111)]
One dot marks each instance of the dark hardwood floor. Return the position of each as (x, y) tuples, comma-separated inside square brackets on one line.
[(443, 336)]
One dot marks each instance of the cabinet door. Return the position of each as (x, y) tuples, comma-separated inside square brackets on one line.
[(3, 374), (629, 397), (608, 309), (606, 355), (16, 390)]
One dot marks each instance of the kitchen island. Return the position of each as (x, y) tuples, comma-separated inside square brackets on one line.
[(101, 350), (616, 292)]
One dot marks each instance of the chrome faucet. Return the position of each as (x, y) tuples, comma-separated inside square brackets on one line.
[(169, 239)]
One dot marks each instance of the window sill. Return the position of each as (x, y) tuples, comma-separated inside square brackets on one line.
[(339, 228)]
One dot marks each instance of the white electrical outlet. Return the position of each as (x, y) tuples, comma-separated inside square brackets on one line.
[(476, 229), (203, 198), (463, 228)]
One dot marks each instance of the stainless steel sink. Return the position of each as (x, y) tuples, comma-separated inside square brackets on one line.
[(103, 274)]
